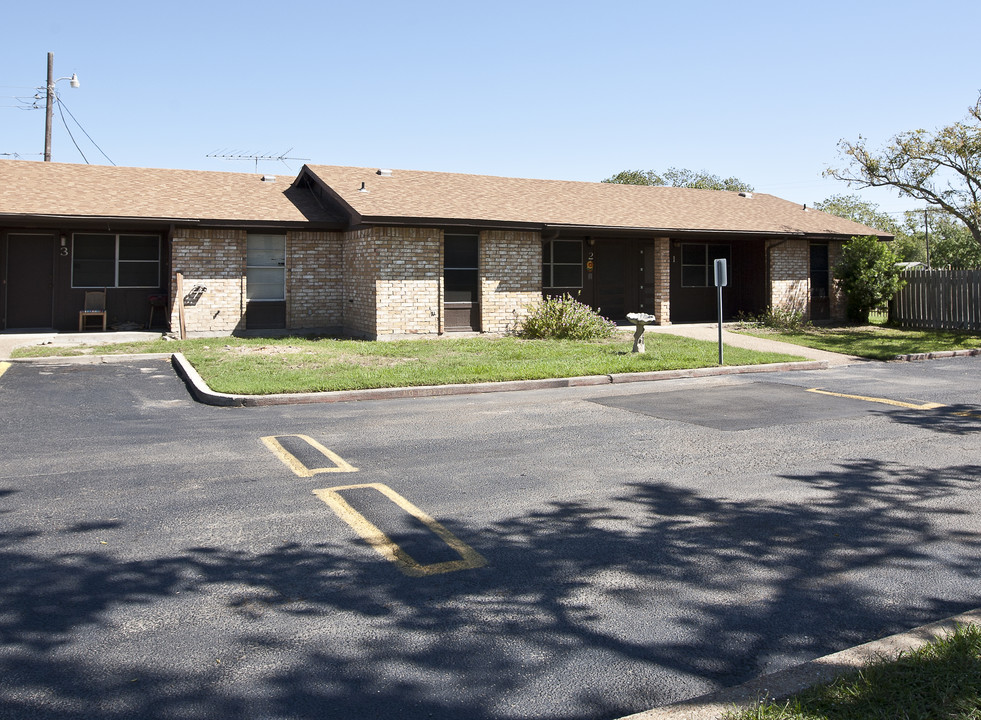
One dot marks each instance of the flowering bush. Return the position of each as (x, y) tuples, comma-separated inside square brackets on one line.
[(564, 318)]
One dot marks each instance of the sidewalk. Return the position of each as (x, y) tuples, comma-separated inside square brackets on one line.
[(9, 341), (710, 332)]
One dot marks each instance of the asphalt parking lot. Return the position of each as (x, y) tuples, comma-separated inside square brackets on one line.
[(575, 553)]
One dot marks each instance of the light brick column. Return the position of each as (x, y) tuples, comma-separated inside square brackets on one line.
[(314, 285), (662, 280), (510, 277), (790, 282), (391, 282), (213, 265)]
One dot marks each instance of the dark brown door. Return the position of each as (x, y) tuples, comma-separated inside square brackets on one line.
[(618, 276), (461, 277), (820, 277), (30, 279)]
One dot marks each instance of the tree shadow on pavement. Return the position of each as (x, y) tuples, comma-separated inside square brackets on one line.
[(959, 419), (643, 598)]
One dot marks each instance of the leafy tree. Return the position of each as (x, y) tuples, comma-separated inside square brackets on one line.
[(636, 177), (951, 244), (853, 207), (868, 274), (942, 167), (679, 177), (907, 246)]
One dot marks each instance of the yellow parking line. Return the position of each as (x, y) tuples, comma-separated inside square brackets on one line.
[(3, 367), (886, 401), (294, 464), (384, 545)]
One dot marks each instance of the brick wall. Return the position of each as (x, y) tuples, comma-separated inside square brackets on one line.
[(662, 280), (213, 265), (408, 280), (392, 280), (510, 277), (790, 284), (358, 294), (314, 280)]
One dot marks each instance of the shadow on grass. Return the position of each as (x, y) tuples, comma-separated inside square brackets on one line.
[(693, 586)]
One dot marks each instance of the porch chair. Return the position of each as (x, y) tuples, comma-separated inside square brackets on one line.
[(95, 306)]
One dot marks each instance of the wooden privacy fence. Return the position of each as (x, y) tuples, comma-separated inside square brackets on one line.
[(939, 299)]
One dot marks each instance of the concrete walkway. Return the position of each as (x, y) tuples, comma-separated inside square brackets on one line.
[(710, 332), (9, 341)]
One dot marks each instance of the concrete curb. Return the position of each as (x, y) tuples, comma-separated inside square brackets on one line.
[(941, 354), (204, 394), (782, 684), (90, 359)]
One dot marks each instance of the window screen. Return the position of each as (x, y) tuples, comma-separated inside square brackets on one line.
[(562, 264), (114, 260), (266, 267)]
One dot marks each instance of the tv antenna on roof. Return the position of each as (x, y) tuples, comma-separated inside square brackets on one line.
[(232, 155)]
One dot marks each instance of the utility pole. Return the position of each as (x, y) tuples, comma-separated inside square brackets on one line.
[(49, 104), (48, 107), (926, 232)]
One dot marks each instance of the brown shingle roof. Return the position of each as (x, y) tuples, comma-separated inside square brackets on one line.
[(451, 196), (38, 188), (56, 189)]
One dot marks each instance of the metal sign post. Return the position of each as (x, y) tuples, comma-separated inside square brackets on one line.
[(721, 280)]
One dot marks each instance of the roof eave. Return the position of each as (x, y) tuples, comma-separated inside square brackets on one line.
[(33, 218), (571, 228)]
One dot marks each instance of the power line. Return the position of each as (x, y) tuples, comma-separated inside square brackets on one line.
[(60, 112), (61, 104)]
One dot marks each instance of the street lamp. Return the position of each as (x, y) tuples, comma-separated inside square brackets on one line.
[(73, 80)]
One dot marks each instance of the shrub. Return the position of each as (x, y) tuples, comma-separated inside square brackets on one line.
[(776, 319), (564, 318), (868, 274)]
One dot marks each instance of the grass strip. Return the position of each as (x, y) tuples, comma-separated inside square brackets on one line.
[(874, 342), (261, 366), (941, 679)]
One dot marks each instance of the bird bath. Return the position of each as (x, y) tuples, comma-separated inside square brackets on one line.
[(640, 320)]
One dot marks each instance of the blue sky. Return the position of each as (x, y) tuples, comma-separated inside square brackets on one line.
[(566, 90)]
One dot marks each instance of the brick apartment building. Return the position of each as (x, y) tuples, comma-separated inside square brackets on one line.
[(387, 254)]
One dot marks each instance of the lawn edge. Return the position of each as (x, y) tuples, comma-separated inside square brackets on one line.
[(203, 393), (784, 683)]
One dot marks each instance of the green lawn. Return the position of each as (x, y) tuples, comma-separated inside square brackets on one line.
[(940, 680), (878, 342), (260, 366)]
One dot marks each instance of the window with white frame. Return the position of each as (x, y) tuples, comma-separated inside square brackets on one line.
[(265, 272), (115, 260), (562, 264)]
